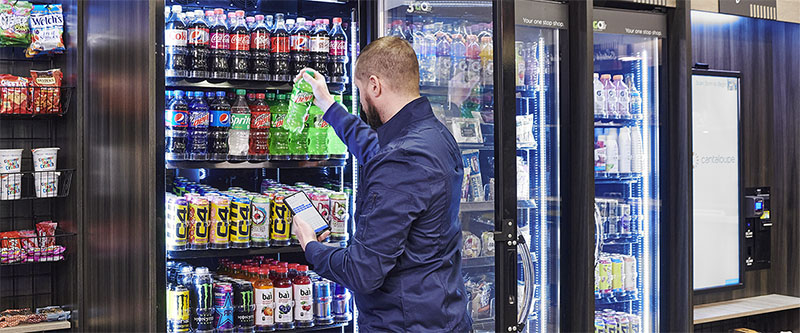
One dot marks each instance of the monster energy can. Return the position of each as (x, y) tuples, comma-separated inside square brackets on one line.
[(243, 306), (201, 294)]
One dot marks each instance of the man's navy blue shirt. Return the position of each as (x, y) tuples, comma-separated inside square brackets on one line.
[(404, 262)]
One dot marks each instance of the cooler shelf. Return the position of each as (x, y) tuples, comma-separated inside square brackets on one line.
[(253, 251), (39, 327), (179, 82), (255, 165), (320, 328)]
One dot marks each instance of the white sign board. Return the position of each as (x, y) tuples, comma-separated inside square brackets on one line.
[(716, 197)]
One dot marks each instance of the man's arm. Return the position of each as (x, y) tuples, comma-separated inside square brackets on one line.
[(389, 209), (361, 139)]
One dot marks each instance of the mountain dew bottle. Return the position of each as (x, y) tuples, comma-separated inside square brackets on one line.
[(298, 144), (278, 135), (317, 134), (301, 98), (337, 148)]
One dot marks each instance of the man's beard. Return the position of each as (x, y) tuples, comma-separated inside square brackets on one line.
[(370, 115)]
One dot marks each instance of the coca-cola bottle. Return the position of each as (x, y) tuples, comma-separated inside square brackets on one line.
[(300, 45), (338, 53), (219, 42), (198, 46), (240, 48), (259, 50), (175, 44), (320, 47), (279, 44)]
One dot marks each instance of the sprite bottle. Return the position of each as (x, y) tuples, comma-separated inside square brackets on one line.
[(278, 135), (317, 134), (336, 148), (301, 98)]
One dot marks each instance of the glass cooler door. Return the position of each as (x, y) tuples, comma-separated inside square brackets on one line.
[(626, 109), (453, 42)]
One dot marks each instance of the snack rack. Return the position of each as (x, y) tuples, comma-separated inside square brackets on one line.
[(46, 279)]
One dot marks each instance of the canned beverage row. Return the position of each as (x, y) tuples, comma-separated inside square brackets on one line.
[(252, 296), (615, 276), (200, 217), (610, 321), (619, 218)]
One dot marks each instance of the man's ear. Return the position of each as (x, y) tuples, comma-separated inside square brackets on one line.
[(375, 86)]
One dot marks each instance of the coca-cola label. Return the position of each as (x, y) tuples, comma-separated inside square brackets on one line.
[(277, 119), (220, 119), (320, 44), (176, 118), (175, 37), (259, 41), (279, 44), (220, 40), (299, 43), (198, 36), (240, 42), (259, 120), (240, 121), (338, 47)]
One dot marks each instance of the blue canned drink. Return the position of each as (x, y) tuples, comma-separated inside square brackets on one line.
[(223, 306), (322, 302), (340, 305), (179, 187)]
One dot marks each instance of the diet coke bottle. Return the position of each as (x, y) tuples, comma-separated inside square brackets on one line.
[(259, 50)]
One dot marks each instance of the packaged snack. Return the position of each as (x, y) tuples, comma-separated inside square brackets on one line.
[(13, 94), (10, 240), (11, 255), (14, 23), (43, 99), (27, 239), (46, 231), (472, 245), (47, 28)]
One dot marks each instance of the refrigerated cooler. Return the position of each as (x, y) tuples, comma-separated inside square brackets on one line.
[(628, 94)]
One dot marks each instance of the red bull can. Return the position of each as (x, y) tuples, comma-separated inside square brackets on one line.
[(240, 223), (198, 223), (219, 222), (340, 215), (259, 216), (322, 302), (281, 222), (175, 223)]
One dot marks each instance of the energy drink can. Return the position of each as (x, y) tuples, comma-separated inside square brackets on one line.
[(339, 216), (616, 275), (177, 308), (322, 203), (223, 306), (281, 222), (624, 220), (634, 322), (175, 223), (198, 223), (611, 325), (240, 222), (629, 274), (340, 305), (623, 323), (604, 276), (599, 325), (259, 215), (201, 296), (219, 221), (243, 306), (322, 302)]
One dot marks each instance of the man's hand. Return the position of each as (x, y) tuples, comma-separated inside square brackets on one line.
[(322, 98), (305, 234)]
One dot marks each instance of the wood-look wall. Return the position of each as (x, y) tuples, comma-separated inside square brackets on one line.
[(119, 229), (767, 53)]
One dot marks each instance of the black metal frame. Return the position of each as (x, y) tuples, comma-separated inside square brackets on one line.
[(160, 239), (740, 167)]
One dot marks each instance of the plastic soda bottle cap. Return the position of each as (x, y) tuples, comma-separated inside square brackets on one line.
[(263, 271), (240, 92), (302, 268)]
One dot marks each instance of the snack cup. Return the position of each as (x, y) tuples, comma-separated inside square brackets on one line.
[(10, 160), (10, 186), (46, 184), (44, 159)]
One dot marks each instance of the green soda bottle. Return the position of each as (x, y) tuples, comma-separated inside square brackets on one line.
[(301, 98), (298, 144), (317, 134), (279, 136), (336, 148)]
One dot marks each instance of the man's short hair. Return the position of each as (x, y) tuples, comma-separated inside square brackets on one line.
[(393, 60)]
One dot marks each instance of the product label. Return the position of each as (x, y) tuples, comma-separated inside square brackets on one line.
[(199, 119), (260, 217), (240, 42), (338, 47), (338, 216), (281, 221), (198, 36), (259, 40), (175, 37), (283, 305), (299, 43), (176, 118), (277, 120), (301, 97), (240, 121), (219, 232), (324, 209), (302, 302), (178, 305), (259, 120), (219, 40), (319, 122), (279, 44), (320, 44), (220, 119), (265, 304)]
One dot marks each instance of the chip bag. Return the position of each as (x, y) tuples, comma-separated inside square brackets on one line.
[(14, 23), (47, 28), (13, 94), (44, 99)]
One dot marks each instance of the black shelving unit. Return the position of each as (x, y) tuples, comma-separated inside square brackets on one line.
[(255, 251), (255, 165)]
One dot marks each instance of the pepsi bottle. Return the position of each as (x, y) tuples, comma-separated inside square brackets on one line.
[(199, 117), (299, 47), (198, 46), (338, 52), (176, 118), (259, 50), (175, 36), (240, 48), (219, 124), (219, 43), (279, 44), (320, 47)]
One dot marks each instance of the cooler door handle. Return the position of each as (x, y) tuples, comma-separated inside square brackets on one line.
[(527, 274)]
